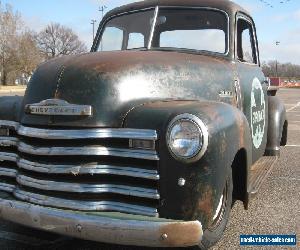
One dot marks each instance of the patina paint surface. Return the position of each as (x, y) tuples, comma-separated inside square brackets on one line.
[(115, 82), (205, 181), (247, 74)]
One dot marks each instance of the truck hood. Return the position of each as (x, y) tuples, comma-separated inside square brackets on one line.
[(114, 83)]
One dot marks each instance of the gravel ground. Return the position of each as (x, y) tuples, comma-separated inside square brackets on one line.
[(275, 210)]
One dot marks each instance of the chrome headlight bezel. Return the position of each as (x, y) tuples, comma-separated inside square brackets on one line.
[(203, 132)]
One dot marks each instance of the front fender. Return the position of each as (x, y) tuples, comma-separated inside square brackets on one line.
[(10, 108), (277, 125), (228, 133)]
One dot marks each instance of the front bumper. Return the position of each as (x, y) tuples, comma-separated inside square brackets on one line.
[(105, 227)]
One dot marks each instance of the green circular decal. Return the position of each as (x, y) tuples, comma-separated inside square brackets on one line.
[(258, 113)]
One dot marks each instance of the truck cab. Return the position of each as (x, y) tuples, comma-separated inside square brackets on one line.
[(151, 137)]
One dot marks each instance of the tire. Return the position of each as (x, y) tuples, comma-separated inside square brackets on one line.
[(215, 232)]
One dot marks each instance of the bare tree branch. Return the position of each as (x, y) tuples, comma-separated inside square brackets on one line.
[(57, 40), (288, 70)]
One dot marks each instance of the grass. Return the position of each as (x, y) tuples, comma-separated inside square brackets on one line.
[(13, 87)]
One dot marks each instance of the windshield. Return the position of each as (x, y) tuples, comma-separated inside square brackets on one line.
[(192, 29), (127, 31)]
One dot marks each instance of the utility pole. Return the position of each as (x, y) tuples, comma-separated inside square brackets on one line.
[(276, 61), (93, 23), (102, 9)]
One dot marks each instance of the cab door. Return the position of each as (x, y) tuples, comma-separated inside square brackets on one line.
[(251, 83)]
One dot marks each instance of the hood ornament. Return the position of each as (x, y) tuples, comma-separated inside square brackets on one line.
[(58, 107)]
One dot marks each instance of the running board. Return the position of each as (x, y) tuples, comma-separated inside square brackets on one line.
[(259, 172)]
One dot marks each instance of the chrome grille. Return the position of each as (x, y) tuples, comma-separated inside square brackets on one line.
[(84, 169)]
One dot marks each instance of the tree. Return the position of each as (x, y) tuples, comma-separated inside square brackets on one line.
[(57, 40), (27, 55), (284, 69), (10, 23), (19, 55)]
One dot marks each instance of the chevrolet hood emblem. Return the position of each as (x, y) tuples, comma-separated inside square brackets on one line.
[(58, 107)]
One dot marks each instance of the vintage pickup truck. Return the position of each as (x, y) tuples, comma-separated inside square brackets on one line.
[(149, 139)]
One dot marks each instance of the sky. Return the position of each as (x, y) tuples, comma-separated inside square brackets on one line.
[(281, 22)]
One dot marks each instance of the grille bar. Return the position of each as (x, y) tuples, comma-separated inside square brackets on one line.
[(8, 172), (80, 169), (88, 169), (9, 124), (87, 188), (8, 157), (9, 141), (85, 205), (99, 133), (99, 151), (7, 187)]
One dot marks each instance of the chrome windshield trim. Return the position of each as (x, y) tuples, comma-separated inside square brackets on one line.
[(87, 188), (101, 28), (97, 133), (7, 187), (89, 151), (85, 205), (8, 172), (226, 53), (88, 169), (157, 8), (8, 141)]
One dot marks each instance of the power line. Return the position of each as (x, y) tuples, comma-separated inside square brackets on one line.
[(272, 4)]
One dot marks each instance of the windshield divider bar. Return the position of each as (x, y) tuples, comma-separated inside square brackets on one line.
[(153, 27)]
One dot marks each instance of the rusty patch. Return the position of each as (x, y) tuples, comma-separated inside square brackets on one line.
[(181, 234), (241, 128), (223, 144), (205, 203), (201, 206)]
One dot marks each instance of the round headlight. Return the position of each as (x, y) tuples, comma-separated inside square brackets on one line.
[(187, 138)]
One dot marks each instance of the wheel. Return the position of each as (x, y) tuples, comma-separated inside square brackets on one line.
[(214, 233)]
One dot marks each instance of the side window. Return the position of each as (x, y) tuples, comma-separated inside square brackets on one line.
[(246, 51), (136, 40), (112, 39), (203, 39)]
